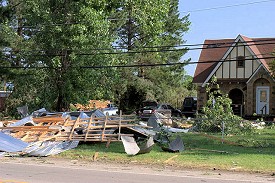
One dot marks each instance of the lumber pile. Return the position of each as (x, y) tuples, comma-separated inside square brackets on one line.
[(93, 104), (57, 128)]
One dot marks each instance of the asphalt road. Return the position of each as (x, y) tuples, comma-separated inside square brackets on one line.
[(42, 171)]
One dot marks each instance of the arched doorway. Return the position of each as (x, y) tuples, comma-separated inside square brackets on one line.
[(237, 97)]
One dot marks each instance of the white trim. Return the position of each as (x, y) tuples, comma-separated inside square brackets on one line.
[(254, 73), (239, 38)]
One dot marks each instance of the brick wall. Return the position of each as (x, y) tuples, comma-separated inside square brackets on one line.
[(262, 78)]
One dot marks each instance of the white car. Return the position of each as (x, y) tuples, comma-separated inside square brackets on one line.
[(111, 110)]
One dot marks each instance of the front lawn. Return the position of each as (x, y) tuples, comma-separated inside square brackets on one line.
[(253, 152)]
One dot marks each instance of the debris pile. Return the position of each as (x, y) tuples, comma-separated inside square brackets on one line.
[(43, 133), (54, 133)]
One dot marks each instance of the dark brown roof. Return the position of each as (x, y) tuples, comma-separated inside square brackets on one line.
[(208, 56), (266, 49)]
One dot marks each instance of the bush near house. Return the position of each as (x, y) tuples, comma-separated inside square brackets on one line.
[(218, 116)]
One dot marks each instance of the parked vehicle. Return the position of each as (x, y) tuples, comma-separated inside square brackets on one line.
[(110, 110), (147, 108), (189, 106), (150, 107)]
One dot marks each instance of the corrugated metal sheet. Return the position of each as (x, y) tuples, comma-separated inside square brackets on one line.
[(98, 113), (23, 122), (51, 148), (11, 144)]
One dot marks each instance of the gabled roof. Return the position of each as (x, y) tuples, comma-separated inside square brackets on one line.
[(207, 56), (215, 50)]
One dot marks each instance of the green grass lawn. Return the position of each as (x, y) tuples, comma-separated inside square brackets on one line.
[(253, 152)]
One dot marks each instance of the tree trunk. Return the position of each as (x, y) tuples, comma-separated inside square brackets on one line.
[(62, 103)]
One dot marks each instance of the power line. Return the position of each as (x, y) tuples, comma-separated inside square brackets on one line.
[(152, 65), (216, 45), (136, 65), (205, 44), (170, 64), (227, 6), (154, 51)]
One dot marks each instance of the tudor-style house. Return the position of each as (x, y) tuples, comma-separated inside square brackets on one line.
[(242, 68)]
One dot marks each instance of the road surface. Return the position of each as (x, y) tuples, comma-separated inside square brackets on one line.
[(41, 170)]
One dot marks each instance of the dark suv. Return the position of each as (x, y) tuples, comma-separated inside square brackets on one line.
[(189, 106)]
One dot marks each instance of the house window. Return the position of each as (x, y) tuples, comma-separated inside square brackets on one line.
[(240, 61), (263, 96)]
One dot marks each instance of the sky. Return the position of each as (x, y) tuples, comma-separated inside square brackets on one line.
[(220, 19)]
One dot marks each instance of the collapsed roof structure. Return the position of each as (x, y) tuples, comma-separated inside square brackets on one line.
[(43, 133), (57, 132)]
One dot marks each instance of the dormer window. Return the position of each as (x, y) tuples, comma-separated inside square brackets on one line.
[(240, 61)]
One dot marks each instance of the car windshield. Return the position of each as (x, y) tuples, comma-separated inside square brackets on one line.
[(149, 107), (149, 103)]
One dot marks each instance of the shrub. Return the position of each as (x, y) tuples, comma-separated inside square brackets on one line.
[(218, 115)]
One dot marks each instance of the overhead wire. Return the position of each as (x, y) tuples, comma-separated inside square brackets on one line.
[(154, 65), (165, 46), (171, 64), (215, 45), (154, 51), (143, 65), (227, 6)]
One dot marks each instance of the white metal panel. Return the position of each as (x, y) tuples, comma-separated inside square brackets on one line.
[(11, 144)]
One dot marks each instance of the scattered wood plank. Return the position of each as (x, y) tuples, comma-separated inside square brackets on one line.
[(56, 128)]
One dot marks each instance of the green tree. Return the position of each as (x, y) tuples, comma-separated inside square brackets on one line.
[(50, 41), (11, 39), (152, 27), (63, 36)]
